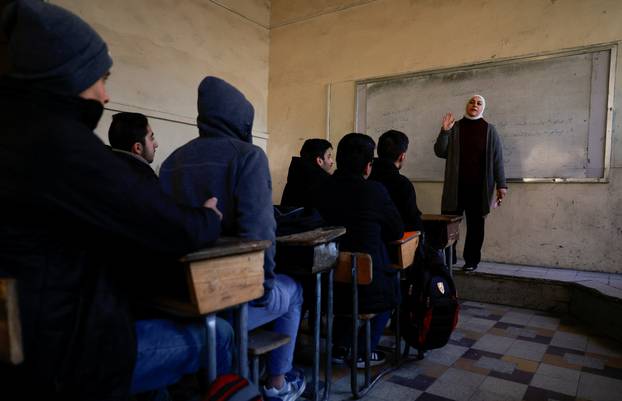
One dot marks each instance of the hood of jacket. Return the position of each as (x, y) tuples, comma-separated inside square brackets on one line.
[(224, 111)]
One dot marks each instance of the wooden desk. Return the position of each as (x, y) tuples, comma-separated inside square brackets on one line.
[(442, 232), (402, 251), (313, 253), (227, 274)]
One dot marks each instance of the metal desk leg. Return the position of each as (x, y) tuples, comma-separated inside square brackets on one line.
[(316, 336), (450, 263), (398, 330), (328, 369), (241, 329), (210, 328)]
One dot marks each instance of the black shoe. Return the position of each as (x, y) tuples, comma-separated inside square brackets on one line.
[(375, 358), (340, 355), (469, 268)]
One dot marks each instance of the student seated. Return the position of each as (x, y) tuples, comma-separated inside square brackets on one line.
[(133, 141), (308, 172), (223, 162), (392, 147), (371, 219), (70, 211)]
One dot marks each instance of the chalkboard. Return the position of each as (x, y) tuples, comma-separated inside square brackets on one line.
[(552, 113)]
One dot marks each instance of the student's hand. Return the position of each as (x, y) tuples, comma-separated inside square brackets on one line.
[(501, 192), (211, 204), (448, 122)]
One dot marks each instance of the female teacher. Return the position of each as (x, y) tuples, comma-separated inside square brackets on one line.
[(473, 167)]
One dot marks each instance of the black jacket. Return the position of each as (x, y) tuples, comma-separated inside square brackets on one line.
[(303, 178), (135, 163), (371, 220), (401, 190), (69, 210)]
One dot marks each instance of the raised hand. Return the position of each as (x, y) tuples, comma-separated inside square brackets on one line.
[(448, 122)]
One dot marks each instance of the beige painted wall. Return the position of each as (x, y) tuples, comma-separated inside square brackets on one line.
[(318, 45), (163, 48)]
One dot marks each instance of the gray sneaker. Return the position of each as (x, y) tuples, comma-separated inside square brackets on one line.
[(292, 389)]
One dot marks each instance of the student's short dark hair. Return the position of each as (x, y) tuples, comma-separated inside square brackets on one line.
[(354, 152), (127, 129), (392, 144), (313, 148)]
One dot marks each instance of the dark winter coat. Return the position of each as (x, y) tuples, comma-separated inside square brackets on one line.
[(135, 163), (365, 209), (223, 163), (70, 210), (303, 178), (447, 146), (401, 190)]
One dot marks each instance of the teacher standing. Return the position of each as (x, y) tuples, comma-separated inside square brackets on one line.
[(473, 169)]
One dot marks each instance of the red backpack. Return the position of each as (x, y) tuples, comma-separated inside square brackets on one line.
[(430, 307), (231, 387)]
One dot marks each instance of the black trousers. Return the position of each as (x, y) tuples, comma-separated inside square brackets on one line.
[(469, 204)]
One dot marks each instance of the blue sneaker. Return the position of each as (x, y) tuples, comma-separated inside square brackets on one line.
[(292, 389)]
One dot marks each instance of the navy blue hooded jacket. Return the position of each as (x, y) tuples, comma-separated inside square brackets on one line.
[(222, 162)]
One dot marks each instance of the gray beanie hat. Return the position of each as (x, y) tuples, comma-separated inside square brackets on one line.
[(53, 48)]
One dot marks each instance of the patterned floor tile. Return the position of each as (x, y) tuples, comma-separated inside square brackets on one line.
[(599, 388), (585, 361), (527, 350), (523, 364), (498, 365), (604, 346), (570, 340), (501, 354), (518, 376), (446, 355), (476, 354), (431, 369), (456, 384), (606, 371), (519, 318), (470, 365), (420, 382), (492, 343), (544, 322), (555, 378), (540, 394), (503, 389), (432, 397), (559, 361), (478, 325), (561, 351), (388, 390)]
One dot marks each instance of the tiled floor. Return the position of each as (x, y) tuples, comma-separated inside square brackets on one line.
[(500, 353)]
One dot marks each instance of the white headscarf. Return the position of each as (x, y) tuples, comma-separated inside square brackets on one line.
[(481, 113)]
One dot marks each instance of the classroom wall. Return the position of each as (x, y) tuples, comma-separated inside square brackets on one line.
[(319, 49), (163, 48)]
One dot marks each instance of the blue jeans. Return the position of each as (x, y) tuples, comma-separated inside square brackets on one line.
[(168, 350), (283, 307)]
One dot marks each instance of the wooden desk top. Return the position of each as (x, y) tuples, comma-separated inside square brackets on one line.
[(228, 273), (226, 246), (447, 218), (313, 237), (408, 236)]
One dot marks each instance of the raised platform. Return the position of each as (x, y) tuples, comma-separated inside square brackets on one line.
[(595, 298)]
